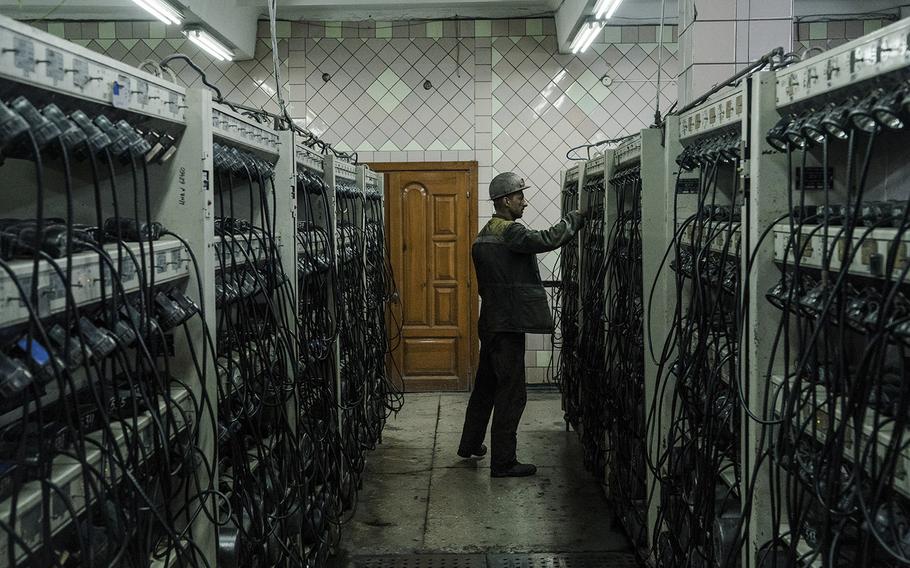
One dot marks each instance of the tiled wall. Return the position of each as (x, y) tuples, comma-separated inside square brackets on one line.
[(825, 35), (500, 93)]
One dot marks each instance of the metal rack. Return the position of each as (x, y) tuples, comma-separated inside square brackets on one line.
[(763, 107), (48, 69)]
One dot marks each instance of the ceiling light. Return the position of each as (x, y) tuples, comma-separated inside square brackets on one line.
[(161, 10), (586, 36), (209, 44), (606, 8), (581, 37), (887, 110)]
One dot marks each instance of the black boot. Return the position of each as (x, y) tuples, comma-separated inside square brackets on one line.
[(516, 469), (477, 452)]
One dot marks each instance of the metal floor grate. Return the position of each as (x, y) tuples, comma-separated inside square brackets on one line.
[(420, 561), (568, 560), (577, 560)]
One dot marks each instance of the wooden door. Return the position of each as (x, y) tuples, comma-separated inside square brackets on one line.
[(432, 220)]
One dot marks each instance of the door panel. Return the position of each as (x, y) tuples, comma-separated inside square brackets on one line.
[(431, 223)]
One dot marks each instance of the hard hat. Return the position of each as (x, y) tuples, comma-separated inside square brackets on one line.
[(506, 183)]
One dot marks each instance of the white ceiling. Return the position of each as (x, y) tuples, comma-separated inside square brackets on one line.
[(336, 10), (343, 10)]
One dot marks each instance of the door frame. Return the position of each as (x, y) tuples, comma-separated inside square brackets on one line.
[(458, 166)]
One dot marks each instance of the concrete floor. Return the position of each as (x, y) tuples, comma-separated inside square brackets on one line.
[(419, 496)]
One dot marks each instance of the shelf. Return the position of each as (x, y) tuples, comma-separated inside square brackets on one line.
[(881, 52), (42, 60), (719, 233), (823, 420), (66, 475), (171, 262), (234, 128), (245, 248), (869, 260)]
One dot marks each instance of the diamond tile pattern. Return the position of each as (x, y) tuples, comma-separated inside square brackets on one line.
[(378, 85), (510, 101), (545, 103)]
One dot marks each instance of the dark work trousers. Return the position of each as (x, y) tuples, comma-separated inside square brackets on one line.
[(500, 389)]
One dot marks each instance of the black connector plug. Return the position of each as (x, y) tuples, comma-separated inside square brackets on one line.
[(99, 342), (14, 377), (132, 230)]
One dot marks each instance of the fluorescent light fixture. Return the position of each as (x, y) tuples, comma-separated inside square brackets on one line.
[(209, 44), (586, 36), (161, 10), (606, 8)]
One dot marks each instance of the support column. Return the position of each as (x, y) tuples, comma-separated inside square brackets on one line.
[(719, 37)]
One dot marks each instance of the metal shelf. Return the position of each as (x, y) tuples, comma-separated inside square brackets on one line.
[(67, 475), (171, 262)]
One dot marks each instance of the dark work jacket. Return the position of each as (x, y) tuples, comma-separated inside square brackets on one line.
[(512, 294)]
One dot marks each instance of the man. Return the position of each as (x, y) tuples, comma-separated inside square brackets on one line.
[(514, 302)]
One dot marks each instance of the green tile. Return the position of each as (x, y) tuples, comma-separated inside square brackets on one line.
[(400, 90), (588, 79), (434, 29), (383, 29), (543, 358), (870, 26), (575, 92), (389, 102), (535, 27), (377, 90), (388, 78), (482, 28), (283, 29), (333, 29), (818, 30), (156, 30), (612, 34), (108, 30), (55, 28)]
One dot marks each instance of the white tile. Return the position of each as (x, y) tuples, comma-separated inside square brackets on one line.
[(415, 156), (432, 156), (483, 90), (765, 35), (716, 10), (759, 9), (483, 141), (704, 76), (398, 157), (715, 42), (742, 40), (449, 156), (381, 157), (466, 155)]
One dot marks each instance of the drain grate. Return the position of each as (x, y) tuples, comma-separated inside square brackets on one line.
[(568, 560), (420, 561), (576, 560)]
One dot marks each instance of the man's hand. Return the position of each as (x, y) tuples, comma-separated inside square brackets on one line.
[(583, 212)]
